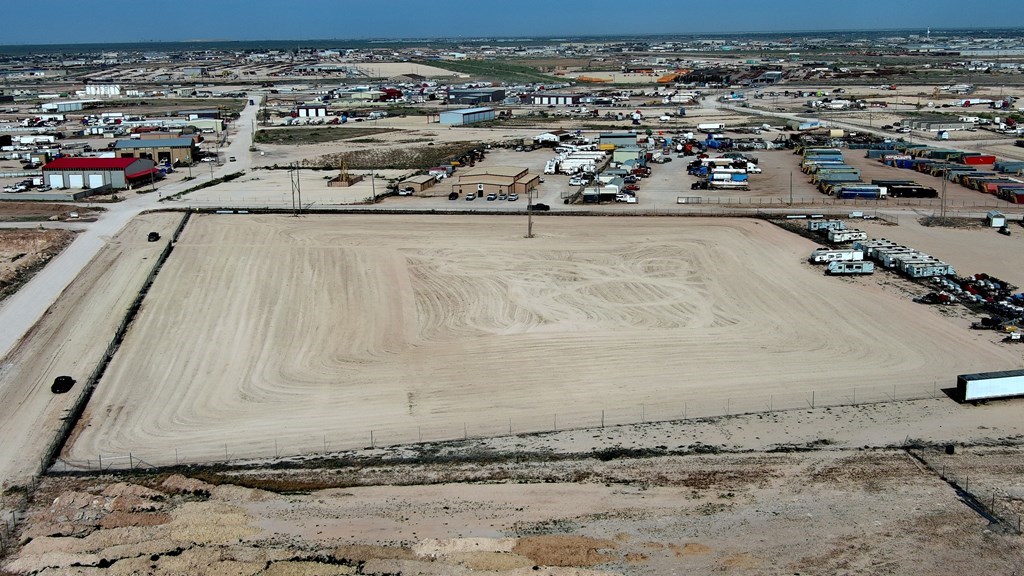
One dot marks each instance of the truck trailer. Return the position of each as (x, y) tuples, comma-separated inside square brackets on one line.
[(990, 385)]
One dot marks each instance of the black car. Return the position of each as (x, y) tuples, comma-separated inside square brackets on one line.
[(453, 196), (539, 207), (62, 384)]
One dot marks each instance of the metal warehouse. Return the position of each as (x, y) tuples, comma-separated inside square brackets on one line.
[(467, 116), (475, 95), (163, 150), (118, 173), (550, 99), (936, 123)]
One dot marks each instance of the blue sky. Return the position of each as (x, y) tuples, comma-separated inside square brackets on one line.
[(74, 21)]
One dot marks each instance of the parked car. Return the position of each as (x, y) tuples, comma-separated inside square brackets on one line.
[(153, 236), (502, 197), (405, 192), (631, 187), (630, 179), (513, 197), (491, 197), (470, 196), (62, 384), (231, 159), (575, 181), (539, 207), (453, 196)]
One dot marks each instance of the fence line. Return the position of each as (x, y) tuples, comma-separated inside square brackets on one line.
[(503, 425), (53, 450), (992, 503)]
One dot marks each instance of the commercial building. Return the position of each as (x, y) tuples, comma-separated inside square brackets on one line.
[(163, 150), (311, 111), (497, 180), (118, 173), (936, 123), (68, 106), (475, 96), (552, 99), (618, 139), (418, 183), (466, 116)]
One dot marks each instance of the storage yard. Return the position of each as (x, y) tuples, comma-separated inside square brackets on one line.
[(313, 333)]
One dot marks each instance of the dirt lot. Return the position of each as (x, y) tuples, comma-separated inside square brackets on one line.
[(22, 252), (826, 512), (39, 211), (341, 331)]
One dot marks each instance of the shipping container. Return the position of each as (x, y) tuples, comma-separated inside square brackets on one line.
[(979, 159)]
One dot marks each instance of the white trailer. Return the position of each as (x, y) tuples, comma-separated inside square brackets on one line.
[(990, 385), (848, 235), (836, 268), (710, 127), (823, 255)]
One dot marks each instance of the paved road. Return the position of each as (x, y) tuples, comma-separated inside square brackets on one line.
[(21, 311)]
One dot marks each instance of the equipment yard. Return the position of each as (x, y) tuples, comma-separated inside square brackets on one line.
[(271, 335)]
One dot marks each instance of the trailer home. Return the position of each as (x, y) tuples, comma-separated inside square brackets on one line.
[(990, 385), (823, 255), (815, 225), (837, 268), (848, 235)]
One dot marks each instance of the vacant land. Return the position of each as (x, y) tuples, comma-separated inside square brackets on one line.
[(291, 135), (23, 252), (38, 211), (825, 512), (274, 334)]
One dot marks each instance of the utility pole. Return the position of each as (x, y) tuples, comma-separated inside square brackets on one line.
[(373, 186), (529, 214), (790, 187), (942, 200)]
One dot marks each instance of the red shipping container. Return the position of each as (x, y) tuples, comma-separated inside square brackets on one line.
[(980, 159)]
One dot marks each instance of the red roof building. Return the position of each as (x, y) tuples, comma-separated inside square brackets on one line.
[(118, 173)]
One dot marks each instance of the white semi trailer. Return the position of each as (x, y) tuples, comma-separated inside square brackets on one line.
[(990, 385)]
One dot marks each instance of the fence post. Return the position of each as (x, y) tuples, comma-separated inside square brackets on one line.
[(643, 418), (554, 422), (371, 438), (99, 457), (131, 464), (812, 399), (602, 418)]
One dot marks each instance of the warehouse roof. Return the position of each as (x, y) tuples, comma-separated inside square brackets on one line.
[(470, 110), (158, 143), (90, 163)]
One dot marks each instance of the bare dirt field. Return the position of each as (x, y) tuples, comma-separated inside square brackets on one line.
[(877, 511), (276, 335), (24, 251)]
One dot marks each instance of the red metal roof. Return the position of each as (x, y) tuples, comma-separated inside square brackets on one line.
[(90, 164), (143, 173)]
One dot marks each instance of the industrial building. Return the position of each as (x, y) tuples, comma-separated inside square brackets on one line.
[(163, 150), (552, 99), (466, 116), (496, 179), (936, 124), (311, 111), (68, 106), (475, 96), (418, 183), (118, 173), (617, 140)]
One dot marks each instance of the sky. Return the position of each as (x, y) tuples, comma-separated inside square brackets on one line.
[(78, 21)]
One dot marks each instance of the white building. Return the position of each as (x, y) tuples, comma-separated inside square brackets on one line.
[(106, 90)]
